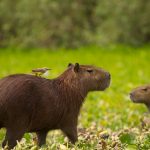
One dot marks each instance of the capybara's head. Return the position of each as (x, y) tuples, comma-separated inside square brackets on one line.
[(89, 77), (141, 94)]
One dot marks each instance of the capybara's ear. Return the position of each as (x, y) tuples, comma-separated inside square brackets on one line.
[(70, 64), (76, 67)]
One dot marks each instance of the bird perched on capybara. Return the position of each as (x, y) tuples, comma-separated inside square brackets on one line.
[(40, 71), (141, 95), (33, 104)]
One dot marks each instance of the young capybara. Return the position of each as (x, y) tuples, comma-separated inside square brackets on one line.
[(141, 95), (33, 104)]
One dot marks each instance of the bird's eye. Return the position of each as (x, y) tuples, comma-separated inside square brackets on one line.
[(90, 70)]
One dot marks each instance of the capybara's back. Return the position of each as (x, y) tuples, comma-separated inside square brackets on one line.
[(25, 101)]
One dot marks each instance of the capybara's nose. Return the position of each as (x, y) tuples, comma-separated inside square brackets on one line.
[(131, 95), (108, 75)]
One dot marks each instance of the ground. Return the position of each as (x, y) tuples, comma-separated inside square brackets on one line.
[(108, 120)]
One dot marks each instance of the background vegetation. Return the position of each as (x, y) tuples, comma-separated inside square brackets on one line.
[(53, 23), (104, 113)]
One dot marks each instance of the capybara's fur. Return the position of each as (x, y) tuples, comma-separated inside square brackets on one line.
[(34, 104), (141, 95)]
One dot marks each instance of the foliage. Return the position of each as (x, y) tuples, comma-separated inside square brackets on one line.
[(44, 23), (108, 119)]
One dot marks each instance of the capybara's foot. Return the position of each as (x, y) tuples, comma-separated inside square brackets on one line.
[(41, 135)]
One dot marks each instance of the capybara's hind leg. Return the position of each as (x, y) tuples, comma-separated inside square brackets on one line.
[(41, 135), (13, 136)]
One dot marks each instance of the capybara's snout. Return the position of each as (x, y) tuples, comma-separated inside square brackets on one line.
[(131, 94), (106, 80), (108, 75)]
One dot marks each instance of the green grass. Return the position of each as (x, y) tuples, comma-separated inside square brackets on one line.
[(111, 110)]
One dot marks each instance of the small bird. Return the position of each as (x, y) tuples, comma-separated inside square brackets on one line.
[(40, 71)]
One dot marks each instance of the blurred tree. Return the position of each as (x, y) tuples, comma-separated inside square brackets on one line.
[(53, 23)]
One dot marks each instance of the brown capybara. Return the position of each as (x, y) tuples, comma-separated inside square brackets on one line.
[(141, 95), (33, 104)]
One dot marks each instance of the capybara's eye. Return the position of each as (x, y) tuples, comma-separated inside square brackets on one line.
[(90, 70), (145, 89)]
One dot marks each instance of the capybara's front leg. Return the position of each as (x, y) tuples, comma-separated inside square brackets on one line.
[(13, 136), (71, 133), (41, 135)]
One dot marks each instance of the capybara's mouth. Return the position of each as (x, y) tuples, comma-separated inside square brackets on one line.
[(104, 85), (133, 98), (107, 85)]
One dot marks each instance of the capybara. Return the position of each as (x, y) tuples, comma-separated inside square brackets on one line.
[(33, 104), (141, 95)]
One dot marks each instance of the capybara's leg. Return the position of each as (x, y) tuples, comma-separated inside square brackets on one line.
[(14, 136), (71, 133), (41, 135), (5, 140)]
